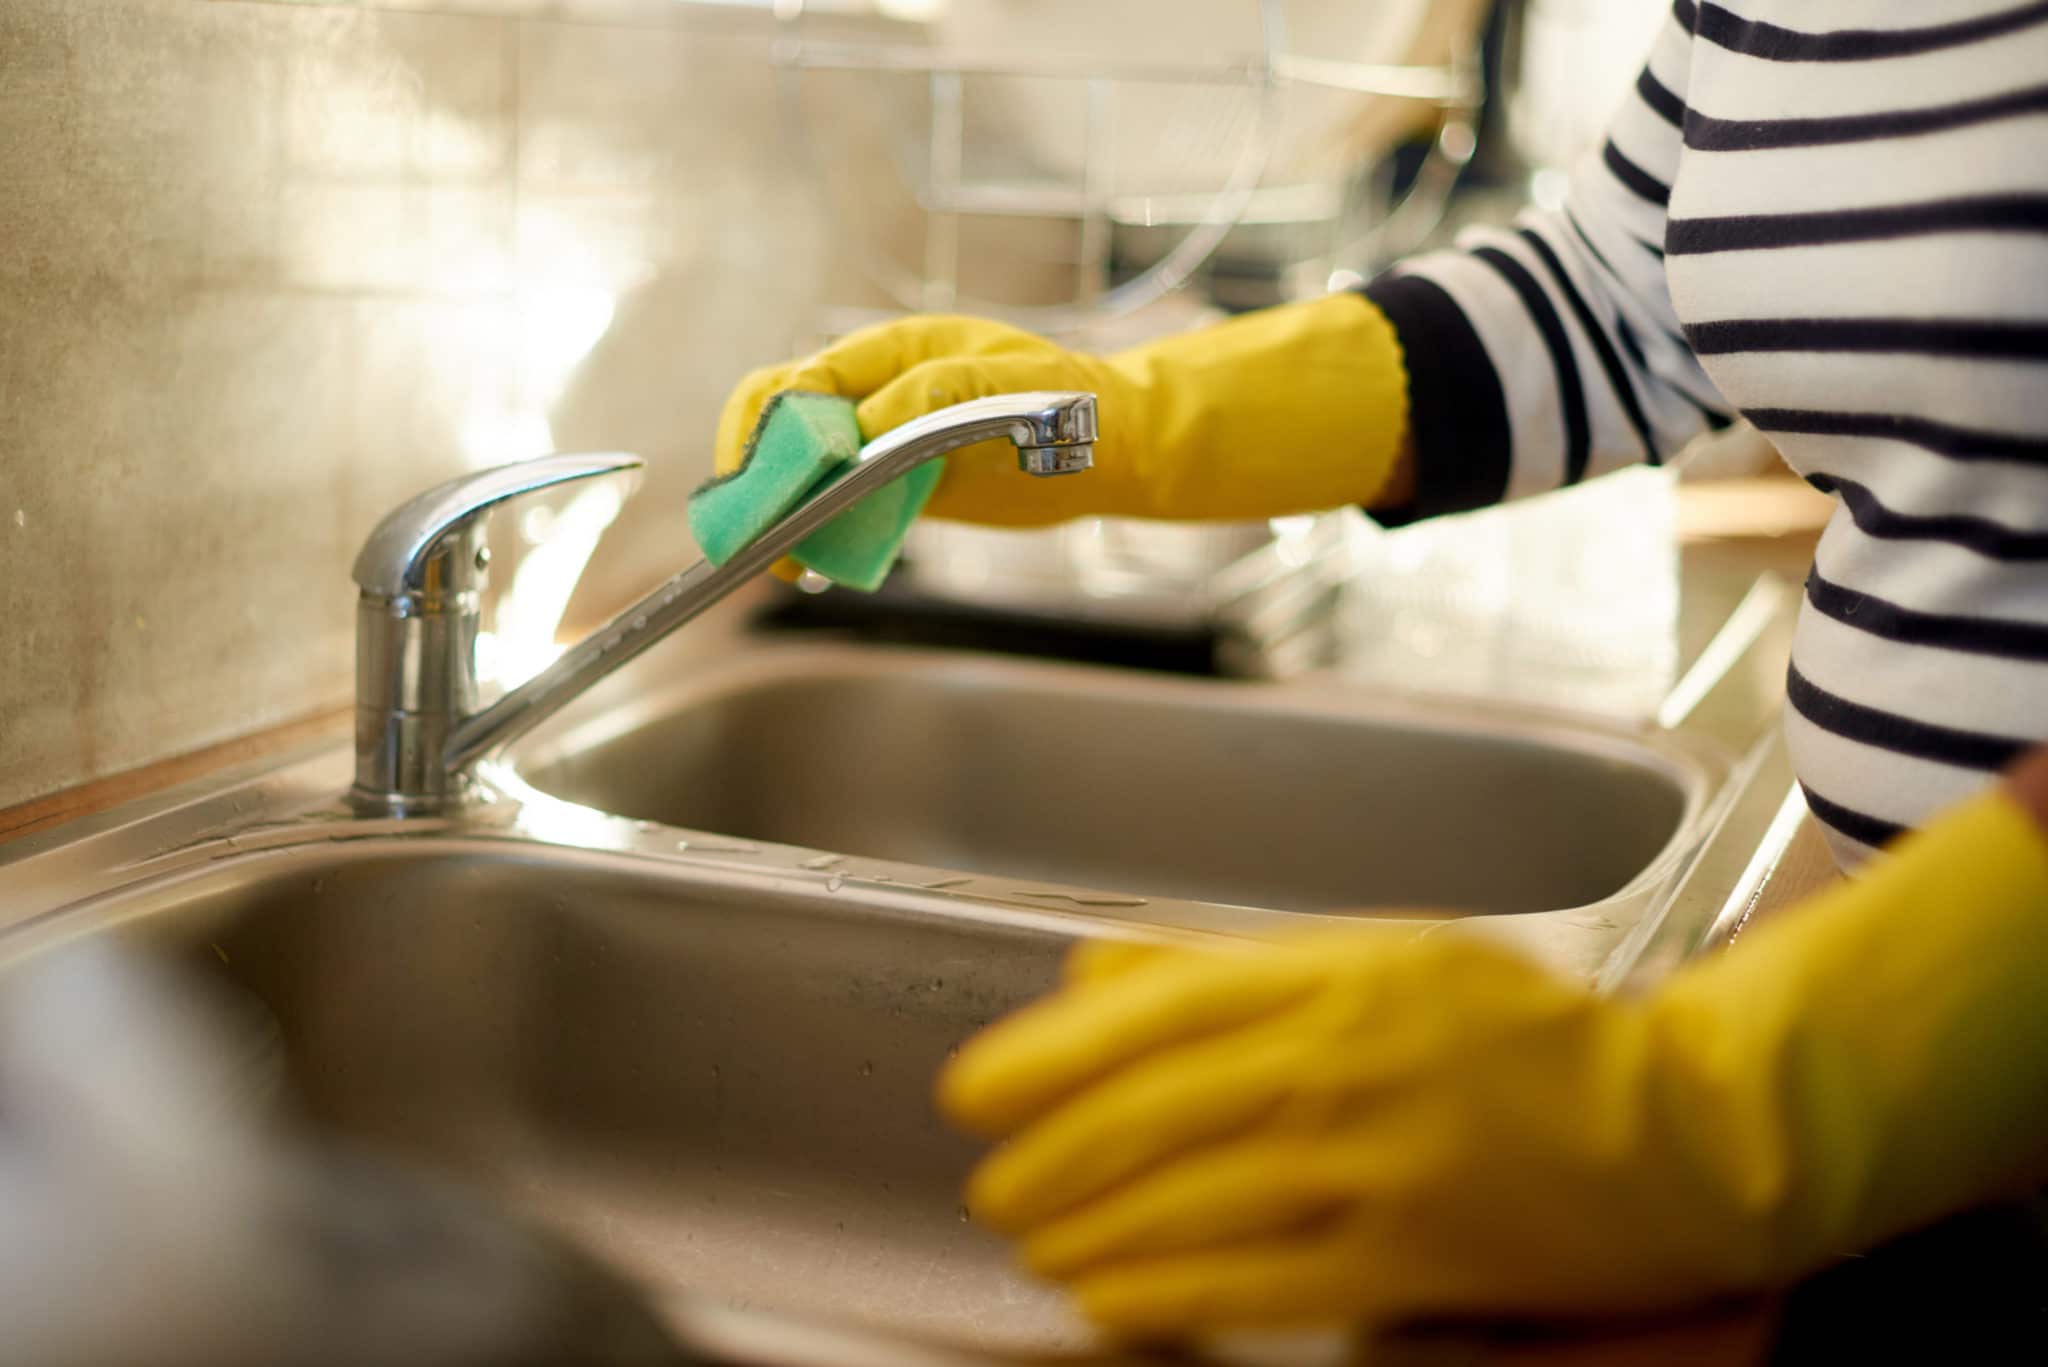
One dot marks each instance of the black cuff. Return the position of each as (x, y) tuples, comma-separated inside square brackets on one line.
[(1457, 412)]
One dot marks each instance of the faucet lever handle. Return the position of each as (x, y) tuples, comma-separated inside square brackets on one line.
[(400, 555)]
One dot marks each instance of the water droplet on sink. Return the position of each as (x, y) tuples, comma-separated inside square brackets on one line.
[(867, 1070), (714, 1072), (834, 883), (1086, 899), (824, 861), (714, 847), (938, 984), (964, 1216), (316, 887)]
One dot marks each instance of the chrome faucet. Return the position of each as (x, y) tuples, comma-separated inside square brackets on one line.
[(419, 729)]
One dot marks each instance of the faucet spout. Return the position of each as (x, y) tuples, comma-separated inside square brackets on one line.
[(1054, 434)]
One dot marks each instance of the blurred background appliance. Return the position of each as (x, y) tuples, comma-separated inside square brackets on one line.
[(1064, 164), (1108, 173)]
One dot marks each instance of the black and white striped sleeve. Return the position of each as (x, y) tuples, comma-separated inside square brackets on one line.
[(1545, 353)]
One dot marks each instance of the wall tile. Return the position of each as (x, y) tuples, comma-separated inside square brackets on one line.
[(666, 184), (266, 269)]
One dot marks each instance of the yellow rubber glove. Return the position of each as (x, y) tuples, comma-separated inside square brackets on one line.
[(1371, 1127), (1288, 410)]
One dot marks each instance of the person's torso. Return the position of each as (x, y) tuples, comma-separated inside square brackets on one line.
[(1858, 249)]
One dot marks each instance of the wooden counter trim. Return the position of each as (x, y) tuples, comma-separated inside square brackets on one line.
[(100, 794)]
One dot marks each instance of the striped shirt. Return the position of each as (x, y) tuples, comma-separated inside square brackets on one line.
[(1830, 217)]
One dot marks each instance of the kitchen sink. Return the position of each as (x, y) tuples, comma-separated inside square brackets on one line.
[(681, 985), (1223, 793), (721, 1087)]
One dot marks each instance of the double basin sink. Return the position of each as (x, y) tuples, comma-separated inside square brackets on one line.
[(682, 988)]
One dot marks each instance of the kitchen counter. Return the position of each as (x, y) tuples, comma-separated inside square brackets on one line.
[(1730, 534)]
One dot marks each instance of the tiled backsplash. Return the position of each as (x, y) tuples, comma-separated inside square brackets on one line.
[(268, 268)]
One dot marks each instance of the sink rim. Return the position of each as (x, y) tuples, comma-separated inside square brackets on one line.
[(260, 809), (1696, 766)]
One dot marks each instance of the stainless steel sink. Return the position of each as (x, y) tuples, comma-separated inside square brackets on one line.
[(1243, 794), (719, 1085), (682, 987)]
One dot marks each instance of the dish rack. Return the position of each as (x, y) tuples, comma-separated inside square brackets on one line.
[(1244, 186)]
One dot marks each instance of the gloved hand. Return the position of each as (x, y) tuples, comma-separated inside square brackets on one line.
[(1292, 409), (1371, 1127)]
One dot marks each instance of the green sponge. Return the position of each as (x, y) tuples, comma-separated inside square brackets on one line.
[(802, 443)]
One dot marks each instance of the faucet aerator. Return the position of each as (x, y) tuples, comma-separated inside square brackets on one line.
[(1056, 460)]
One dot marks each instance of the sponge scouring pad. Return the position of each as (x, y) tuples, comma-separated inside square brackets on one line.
[(803, 442)]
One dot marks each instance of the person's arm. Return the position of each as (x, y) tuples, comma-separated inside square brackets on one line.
[(1525, 359), (1285, 410), (1549, 352), (1375, 1126), (2027, 786)]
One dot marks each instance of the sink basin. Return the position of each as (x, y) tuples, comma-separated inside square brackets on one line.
[(719, 1087), (1159, 787)]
